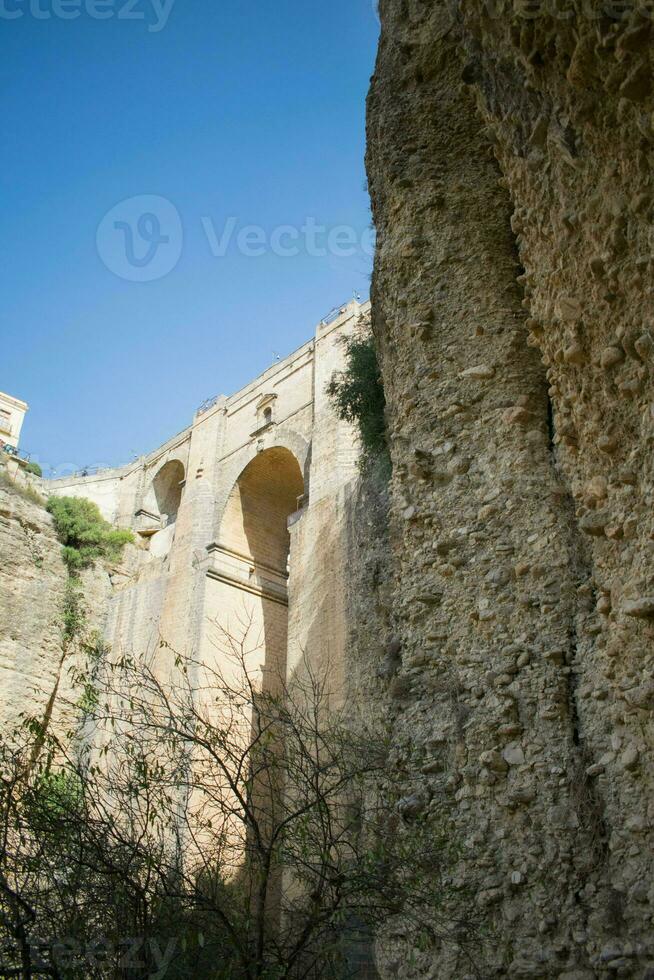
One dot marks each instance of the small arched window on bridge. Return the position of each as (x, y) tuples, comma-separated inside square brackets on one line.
[(265, 411)]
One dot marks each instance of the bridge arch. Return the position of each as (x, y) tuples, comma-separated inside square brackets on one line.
[(250, 560), (254, 522), (167, 487), (164, 493), (289, 440)]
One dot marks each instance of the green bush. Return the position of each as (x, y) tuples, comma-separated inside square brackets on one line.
[(73, 611), (358, 395), (34, 468), (57, 793), (84, 533)]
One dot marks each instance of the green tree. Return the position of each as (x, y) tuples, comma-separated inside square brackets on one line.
[(357, 393), (244, 825)]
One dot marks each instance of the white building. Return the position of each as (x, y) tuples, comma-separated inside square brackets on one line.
[(12, 413)]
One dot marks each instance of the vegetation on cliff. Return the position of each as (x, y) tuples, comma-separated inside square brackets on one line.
[(84, 533), (25, 491), (357, 393), (229, 834)]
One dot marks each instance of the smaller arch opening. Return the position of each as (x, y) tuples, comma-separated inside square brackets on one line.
[(267, 416), (167, 486)]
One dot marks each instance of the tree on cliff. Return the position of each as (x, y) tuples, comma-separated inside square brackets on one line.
[(357, 393), (225, 820), (85, 537)]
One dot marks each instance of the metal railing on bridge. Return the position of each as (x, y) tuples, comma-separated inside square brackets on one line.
[(329, 318), (6, 447), (333, 315), (207, 404), (338, 310)]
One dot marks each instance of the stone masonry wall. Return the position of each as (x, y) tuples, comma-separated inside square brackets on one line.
[(211, 559), (510, 161)]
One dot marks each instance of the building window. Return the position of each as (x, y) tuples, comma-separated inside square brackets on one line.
[(265, 412)]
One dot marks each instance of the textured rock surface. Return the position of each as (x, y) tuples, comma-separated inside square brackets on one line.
[(32, 583), (510, 160), (33, 580), (506, 625)]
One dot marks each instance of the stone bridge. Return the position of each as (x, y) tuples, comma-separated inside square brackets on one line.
[(239, 520)]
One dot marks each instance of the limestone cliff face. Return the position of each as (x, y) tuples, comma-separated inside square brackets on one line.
[(32, 584), (510, 162), (34, 666)]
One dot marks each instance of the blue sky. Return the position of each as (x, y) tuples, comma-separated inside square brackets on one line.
[(211, 110)]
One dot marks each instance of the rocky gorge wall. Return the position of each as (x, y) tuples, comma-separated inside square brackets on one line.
[(501, 612), (35, 660), (33, 579), (510, 151)]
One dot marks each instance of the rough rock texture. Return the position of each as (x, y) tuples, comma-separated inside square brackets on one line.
[(32, 584), (34, 675), (510, 161), (370, 658)]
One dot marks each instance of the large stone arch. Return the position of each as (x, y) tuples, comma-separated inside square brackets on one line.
[(254, 521), (248, 590), (287, 439)]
